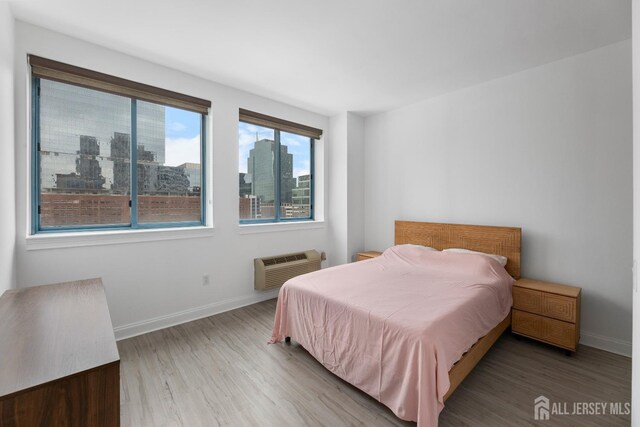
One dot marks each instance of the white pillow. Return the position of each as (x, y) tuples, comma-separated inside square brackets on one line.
[(501, 259)]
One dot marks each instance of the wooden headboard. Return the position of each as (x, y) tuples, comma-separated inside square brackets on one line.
[(503, 241)]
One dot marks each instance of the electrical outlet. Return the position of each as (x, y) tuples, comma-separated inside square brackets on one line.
[(206, 280)]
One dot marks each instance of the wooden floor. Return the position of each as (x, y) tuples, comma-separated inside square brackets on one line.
[(220, 371)]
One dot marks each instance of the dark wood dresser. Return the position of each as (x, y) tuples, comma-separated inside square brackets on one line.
[(59, 363)]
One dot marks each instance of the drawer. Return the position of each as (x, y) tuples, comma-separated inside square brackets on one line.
[(552, 331), (550, 305), (559, 307), (362, 257), (527, 300)]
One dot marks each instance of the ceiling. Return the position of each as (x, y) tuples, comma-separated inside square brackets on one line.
[(331, 56)]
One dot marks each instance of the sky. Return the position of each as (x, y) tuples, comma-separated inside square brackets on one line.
[(297, 145), (182, 136)]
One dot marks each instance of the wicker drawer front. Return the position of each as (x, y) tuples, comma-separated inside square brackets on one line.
[(553, 331), (526, 323), (527, 300), (559, 307), (560, 333)]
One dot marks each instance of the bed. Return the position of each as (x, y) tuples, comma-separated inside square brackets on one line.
[(407, 327)]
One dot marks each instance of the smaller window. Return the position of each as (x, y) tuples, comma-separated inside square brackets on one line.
[(275, 170)]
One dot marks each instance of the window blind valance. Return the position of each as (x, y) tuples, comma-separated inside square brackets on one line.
[(280, 124), (54, 70)]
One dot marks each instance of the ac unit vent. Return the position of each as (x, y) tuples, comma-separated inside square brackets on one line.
[(283, 258), (272, 272)]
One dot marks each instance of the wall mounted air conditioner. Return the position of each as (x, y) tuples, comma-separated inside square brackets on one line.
[(271, 272)]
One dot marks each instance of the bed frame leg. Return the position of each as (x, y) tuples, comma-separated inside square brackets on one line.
[(287, 340)]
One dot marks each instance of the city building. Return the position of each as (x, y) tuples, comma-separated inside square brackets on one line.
[(88, 174), (261, 171), (120, 146), (301, 197), (245, 187), (75, 110), (193, 171), (250, 207), (153, 177)]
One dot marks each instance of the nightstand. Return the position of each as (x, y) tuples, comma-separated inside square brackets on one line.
[(547, 312), (361, 256)]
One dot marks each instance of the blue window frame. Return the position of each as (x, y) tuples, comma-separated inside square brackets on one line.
[(276, 173), (104, 160)]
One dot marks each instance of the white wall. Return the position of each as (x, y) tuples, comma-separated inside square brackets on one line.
[(154, 284), (7, 170), (355, 184), (338, 191), (346, 185), (635, 371), (549, 150)]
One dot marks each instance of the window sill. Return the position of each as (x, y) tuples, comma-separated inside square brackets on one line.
[(115, 237), (273, 227)]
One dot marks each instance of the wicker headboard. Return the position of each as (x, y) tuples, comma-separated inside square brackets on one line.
[(503, 241)]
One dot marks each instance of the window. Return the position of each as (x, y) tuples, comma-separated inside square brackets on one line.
[(110, 153), (275, 170)]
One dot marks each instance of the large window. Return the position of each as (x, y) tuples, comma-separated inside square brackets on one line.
[(110, 153), (275, 170)]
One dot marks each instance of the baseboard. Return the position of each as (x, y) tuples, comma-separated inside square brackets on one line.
[(161, 322), (612, 345)]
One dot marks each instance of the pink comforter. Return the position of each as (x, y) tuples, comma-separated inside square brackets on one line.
[(393, 326)]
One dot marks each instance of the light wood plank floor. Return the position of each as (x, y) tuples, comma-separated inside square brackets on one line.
[(220, 371)]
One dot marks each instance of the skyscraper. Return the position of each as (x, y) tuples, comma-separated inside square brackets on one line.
[(261, 172), (88, 175), (151, 130), (287, 181), (120, 152), (245, 187)]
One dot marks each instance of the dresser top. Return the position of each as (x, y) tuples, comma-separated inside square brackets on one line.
[(552, 288), (53, 331)]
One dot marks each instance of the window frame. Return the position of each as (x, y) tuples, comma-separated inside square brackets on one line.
[(36, 227), (278, 181)]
